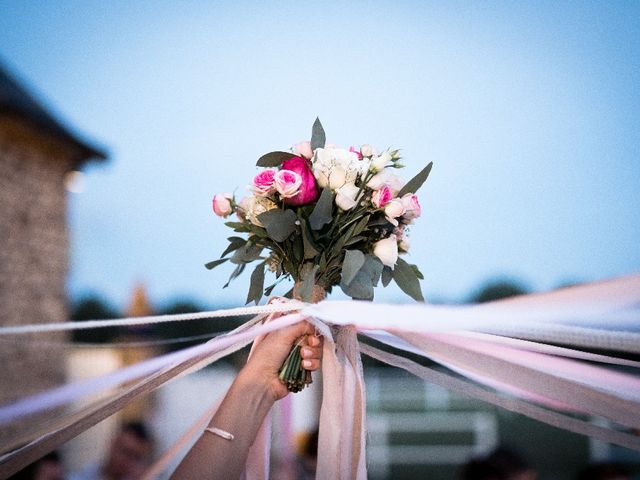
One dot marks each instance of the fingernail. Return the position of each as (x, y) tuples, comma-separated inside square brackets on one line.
[(306, 363), (306, 352)]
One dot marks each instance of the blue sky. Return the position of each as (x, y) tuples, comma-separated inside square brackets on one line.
[(529, 111)]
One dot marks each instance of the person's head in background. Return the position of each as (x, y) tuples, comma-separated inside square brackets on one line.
[(605, 471), (130, 453), (510, 465), (48, 467)]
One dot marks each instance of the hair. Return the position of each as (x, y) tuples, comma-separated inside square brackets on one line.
[(604, 471), (139, 430), (507, 462)]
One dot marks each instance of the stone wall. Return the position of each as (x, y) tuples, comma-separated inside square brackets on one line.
[(33, 261)]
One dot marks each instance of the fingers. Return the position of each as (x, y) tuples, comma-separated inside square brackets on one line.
[(312, 353)]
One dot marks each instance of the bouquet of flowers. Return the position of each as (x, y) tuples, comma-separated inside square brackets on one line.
[(324, 216)]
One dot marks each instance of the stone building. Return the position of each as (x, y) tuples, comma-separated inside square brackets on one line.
[(37, 153)]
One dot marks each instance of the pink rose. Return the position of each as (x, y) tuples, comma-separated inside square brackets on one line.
[(263, 183), (411, 205), (303, 149), (308, 189), (287, 183), (356, 151), (222, 204), (382, 196)]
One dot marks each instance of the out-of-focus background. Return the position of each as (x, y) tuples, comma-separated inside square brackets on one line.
[(120, 120)]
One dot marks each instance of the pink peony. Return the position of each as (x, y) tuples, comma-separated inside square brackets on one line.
[(382, 196), (287, 183), (308, 189), (222, 204), (263, 184), (411, 205)]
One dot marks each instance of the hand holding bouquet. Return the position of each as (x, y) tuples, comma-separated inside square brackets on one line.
[(324, 216)]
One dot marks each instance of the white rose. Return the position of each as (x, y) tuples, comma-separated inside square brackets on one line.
[(334, 167), (378, 163), (388, 178), (387, 250), (346, 196), (367, 150), (393, 210)]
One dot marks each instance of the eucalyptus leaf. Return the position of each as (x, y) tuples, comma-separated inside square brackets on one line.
[(353, 262), (310, 251), (318, 137), (246, 254), (234, 244), (305, 289), (416, 182), (417, 271), (278, 223), (241, 227), (321, 214), (387, 276), (274, 159), (215, 263), (407, 280), (361, 287), (256, 285)]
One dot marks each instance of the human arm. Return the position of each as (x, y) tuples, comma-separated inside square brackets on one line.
[(248, 400)]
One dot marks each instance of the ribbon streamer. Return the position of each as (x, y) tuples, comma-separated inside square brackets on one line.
[(502, 345)]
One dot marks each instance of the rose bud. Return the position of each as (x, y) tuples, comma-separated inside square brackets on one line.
[(308, 189), (387, 250), (303, 149), (393, 210), (222, 204), (367, 150), (411, 205)]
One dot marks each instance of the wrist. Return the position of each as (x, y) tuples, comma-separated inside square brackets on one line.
[(252, 383)]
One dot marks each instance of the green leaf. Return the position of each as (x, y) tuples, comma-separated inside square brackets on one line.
[(416, 182), (256, 285), (353, 240), (361, 225), (407, 280), (238, 270), (246, 254), (234, 244), (361, 287), (215, 263), (321, 214), (318, 137), (310, 251), (274, 159), (279, 223), (417, 271), (246, 227), (305, 290), (387, 276), (353, 262)]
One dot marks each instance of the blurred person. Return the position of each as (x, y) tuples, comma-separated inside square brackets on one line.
[(129, 456), (48, 467), (308, 456), (605, 471), (479, 469), (222, 449), (510, 465)]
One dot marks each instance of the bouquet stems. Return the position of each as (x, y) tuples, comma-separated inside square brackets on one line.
[(291, 373)]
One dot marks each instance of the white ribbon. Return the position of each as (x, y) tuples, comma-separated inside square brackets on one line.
[(469, 340)]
